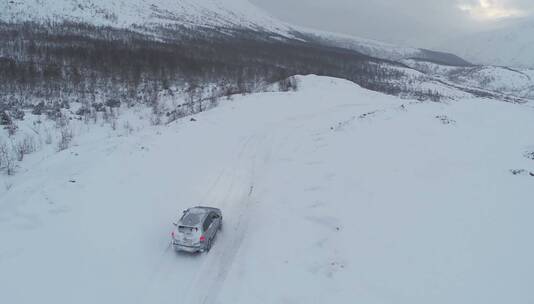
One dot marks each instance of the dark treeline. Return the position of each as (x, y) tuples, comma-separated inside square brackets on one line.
[(77, 62)]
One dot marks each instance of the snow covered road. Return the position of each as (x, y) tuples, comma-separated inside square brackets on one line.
[(329, 194)]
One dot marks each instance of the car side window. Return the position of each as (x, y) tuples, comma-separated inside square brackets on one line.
[(214, 217), (207, 222)]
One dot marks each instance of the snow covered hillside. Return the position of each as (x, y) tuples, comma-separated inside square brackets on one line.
[(331, 194), (120, 13), (516, 82), (511, 46), (380, 49), (210, 14)]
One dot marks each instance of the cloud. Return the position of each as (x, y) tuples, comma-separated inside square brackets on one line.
[(491, 9), (422, 23)]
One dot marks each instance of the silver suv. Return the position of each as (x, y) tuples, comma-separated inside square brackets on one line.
[(196, 229)]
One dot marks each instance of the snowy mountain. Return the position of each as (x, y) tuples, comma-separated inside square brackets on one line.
[(511, 46), (130, 51), (133, 50), (331, 194), (214, 14), (120, 13), (381, 49)]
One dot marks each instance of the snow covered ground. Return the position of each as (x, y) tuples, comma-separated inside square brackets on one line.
[(329, 194)]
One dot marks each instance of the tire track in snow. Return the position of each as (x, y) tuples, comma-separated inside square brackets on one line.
[(230, 191), (222, 186), (219, 261), (217, 181)]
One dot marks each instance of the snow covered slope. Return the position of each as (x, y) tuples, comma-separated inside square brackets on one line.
[(517, 82), (121, 13), (333, 194), (510, 46)]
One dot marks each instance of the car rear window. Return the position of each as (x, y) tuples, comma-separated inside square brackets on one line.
[(185, 229), (192, 219)]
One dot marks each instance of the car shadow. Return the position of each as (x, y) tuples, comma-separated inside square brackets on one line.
[(188, 255)]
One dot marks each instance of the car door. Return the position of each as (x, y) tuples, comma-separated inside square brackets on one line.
[(214, 226), (208, 227), (216, 222)]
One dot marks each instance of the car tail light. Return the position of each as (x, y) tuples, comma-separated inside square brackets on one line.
[(202, 238), (172, 234)]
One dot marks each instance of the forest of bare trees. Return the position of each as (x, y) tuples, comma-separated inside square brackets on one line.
[(75, 62), (44, 68)]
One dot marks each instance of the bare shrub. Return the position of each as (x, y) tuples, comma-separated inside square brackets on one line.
[(128, 127), (155, 119), (110, 117), (83, 111), (48, 136), (93, 115), (61, 120), (113, 103), (5, 118), (7, 161), (19, 151), (213, 101), (113, 123), (3, 153), (39, 108), (105, 116), (88, 115), (10, 165), (24, 147), (193, 97), (176, 114), (65, 137), (157, 113), (11, 129), (288, 84), (17, 114)]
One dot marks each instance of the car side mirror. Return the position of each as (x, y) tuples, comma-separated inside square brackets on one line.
[(175, 224)]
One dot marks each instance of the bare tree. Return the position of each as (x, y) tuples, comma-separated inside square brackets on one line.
[(194, 97)]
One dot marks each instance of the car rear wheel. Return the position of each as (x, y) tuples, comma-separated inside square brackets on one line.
[(208, 246)]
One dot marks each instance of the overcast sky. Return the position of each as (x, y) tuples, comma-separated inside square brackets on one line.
[(420, 23)]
